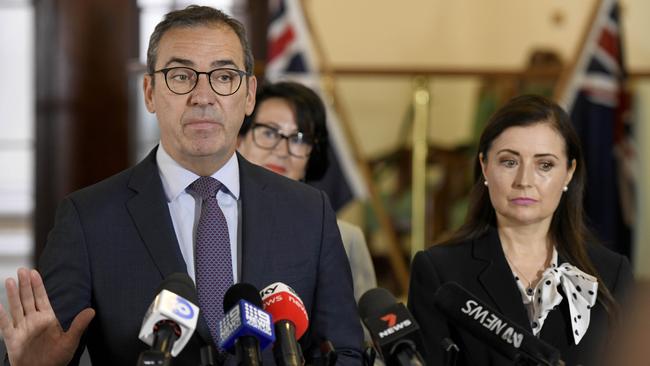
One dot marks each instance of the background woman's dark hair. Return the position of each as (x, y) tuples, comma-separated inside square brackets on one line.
[(568, 228), (310, 118)]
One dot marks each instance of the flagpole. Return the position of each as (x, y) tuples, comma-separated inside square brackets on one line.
[(396, 256), (565, 80), (421, 109)]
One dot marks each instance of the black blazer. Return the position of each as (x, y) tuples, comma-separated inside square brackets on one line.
[(114, 242), (481, 267)]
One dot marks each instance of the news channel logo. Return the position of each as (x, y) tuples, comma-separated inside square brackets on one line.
[(183, 308), (257, 318)]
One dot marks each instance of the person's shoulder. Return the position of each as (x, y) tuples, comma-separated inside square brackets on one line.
[(107, 188), (121, 185), (607, 261), (279, 184), (449, 247), (348, 228), (446, 253), (603, 257)]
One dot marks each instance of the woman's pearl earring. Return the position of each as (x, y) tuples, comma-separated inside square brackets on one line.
[(485, 183), (566, 188)]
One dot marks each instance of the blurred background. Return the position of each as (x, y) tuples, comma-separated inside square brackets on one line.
[(409, 85)]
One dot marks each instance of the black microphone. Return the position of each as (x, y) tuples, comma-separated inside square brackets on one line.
[(394, 331), (170, 320), (245, 329), (491, 327)]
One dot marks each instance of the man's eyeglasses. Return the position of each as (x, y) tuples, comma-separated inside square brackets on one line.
[(182, 80), (268, 137)]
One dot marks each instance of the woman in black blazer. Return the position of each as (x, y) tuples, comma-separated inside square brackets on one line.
[(525, 249)]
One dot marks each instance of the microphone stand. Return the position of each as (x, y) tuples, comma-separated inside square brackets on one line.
[(160, 352), (451, 351), (406, 355), (529, 360), (287, 353), (248, 352)]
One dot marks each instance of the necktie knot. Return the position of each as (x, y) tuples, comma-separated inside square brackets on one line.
[(205, 187)]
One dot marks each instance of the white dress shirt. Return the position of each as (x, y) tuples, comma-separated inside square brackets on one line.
[(186, 211)]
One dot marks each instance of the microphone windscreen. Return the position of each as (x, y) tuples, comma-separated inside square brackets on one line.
[(241, 291), (375, 301), (283, 303), (482, 321), (181, 284), (176, 302)]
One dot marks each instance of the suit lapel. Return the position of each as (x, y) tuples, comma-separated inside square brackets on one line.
[(258, 223), (497, 281), (150, 214), (149, 211)]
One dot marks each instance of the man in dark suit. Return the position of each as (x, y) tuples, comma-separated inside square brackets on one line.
[(114, 242)]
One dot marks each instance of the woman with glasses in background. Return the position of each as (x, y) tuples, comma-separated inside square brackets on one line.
[(287, 134)]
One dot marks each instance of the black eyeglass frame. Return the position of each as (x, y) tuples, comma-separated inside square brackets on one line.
[(208, 74), (285, 137)]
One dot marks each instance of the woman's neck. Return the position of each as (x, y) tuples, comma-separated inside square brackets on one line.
[(525, 241), (528, 251)]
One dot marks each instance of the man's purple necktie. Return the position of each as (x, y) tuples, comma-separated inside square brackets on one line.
[(212, 257)]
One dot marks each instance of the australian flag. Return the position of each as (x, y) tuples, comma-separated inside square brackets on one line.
[(290, 57), (599, 107)]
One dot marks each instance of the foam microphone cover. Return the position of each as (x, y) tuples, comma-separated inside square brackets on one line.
[(241, 291), (502, 334), (282, 302), (182, 285), (175, 301)]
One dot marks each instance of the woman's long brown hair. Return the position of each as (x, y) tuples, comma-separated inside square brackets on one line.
[(568, 229)]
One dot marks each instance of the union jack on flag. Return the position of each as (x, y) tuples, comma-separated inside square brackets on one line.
[(600, 109), (290, 56)]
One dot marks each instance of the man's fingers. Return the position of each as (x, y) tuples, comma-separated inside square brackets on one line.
[(80, 323), (40, 295), (15, 307), (25, 290)]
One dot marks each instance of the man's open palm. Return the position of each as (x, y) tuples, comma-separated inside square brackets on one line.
[(33, 335)]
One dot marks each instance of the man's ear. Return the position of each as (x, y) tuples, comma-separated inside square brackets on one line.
[(251, 90), (147, 87)]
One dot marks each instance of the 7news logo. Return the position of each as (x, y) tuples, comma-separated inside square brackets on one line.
[(392, 326), (390, 319)]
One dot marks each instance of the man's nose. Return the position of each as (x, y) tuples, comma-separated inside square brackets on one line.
[(203, 93)]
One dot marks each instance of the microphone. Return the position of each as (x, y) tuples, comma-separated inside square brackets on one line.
[(290, 322), (170, 320), (491, 327), (393, 329), (245, 329)]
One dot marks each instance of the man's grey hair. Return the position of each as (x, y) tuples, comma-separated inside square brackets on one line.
[(193, 16)]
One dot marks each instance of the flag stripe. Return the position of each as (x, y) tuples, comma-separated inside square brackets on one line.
[(598, 103), (279, 45)]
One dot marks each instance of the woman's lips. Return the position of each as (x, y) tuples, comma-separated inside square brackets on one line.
[(523, 201), (276, 168)]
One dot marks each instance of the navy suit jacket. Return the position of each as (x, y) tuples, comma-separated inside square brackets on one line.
[(481, 267), (113, 243)]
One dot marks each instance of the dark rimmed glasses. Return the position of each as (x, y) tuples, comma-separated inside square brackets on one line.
[(268, 137), (182, 80)]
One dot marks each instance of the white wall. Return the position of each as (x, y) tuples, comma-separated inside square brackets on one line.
[(16, 137)]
